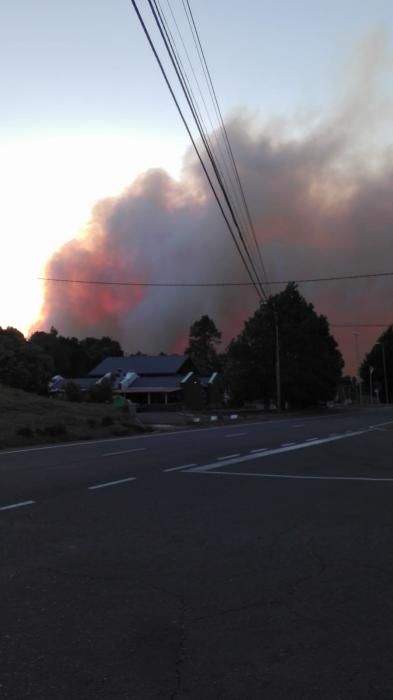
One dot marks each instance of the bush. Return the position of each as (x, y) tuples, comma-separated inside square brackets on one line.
[(107, 420), (24, 431), (119, 431), (91, 422), (102, 392), (72, 391), (55, 430)]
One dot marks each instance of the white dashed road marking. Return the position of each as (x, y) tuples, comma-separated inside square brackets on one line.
[(234, 435), (175, 469), (17, 505), (111, 483), (219, 459), (259, 449), (124, 452), (288, 444), (312, 442)]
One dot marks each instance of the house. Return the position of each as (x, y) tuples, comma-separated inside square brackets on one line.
[(56, 386), (158, 380)]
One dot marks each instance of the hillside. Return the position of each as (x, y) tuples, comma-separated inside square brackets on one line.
[(27, 419)]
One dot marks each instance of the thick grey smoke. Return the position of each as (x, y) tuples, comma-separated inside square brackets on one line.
[(321, 195)]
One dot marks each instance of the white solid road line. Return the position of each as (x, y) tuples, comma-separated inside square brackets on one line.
[(252, 424), (124, 452), (310, 439), (219, 459), (380, 425), (234, 435), (288, 444), (111, 483), (259, 449), (267, 453), (303, 477), (175, 469), (17, 505)]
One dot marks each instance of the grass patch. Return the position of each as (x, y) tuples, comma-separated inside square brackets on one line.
[(29, 419)]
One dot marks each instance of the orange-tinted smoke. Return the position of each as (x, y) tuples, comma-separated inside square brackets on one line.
[(319, 210)]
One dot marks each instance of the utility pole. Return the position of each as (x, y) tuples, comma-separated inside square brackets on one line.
[(356, 336), (385, 376), (371, 370), (278, 368)]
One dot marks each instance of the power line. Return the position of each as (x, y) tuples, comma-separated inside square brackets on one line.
[(213, 94), (342, 278), (361, 325), (183, 83), (181, 114)]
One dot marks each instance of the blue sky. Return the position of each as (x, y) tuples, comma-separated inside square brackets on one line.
[(85, 65), (83, 107)]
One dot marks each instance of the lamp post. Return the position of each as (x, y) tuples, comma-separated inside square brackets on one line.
[(385, 376), (356, 336)]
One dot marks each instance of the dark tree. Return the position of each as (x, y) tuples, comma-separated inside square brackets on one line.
[(204, 337), (22, 365), (72, 357), (97, 349), (311, 364), (383, 348)]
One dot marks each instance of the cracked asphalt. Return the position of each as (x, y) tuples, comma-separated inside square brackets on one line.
[(193, 585)]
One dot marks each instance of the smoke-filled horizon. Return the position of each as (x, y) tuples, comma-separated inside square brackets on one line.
[(321, 195)]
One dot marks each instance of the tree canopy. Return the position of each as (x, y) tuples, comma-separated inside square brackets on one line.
[(72, 357), (310, 361), (204, 338), (375, 358), (29, 364), (23, 365)]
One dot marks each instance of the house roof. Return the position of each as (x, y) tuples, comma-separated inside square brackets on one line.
[(155, 384), (85, 382), (153, 365), (58, 383)]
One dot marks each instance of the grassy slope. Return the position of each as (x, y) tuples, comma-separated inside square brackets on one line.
[(53, 420)]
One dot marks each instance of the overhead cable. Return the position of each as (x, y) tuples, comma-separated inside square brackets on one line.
[(180, 111), (172, 56)]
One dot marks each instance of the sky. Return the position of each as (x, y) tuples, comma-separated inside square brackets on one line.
[(84, 110)]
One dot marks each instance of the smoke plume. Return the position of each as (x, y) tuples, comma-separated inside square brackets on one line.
[(321, 194)]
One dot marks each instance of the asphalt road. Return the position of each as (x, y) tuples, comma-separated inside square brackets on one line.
[(250, 561)]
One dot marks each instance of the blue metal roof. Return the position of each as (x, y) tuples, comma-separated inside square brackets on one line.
[(141, 364), (156, 384)]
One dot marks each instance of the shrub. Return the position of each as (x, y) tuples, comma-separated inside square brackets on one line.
[(102, 392), (55, 430), (91, 422), (107, 420), (72, 391), (24, 431)]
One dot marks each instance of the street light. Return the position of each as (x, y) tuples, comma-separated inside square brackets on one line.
[(385, 377), (356, 336)]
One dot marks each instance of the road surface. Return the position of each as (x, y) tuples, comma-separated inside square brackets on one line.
[(242, 561)]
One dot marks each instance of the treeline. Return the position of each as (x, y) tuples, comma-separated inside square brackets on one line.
[(30, 364), (310, 361)]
